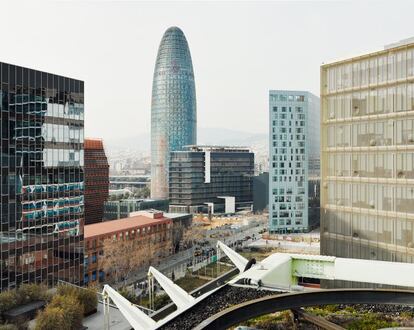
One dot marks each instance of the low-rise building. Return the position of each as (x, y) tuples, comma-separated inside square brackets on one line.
[(150, 227)]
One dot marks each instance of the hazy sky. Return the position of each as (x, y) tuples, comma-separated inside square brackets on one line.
[(239, 51)]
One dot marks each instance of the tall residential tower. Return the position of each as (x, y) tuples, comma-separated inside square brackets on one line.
[(293, 156), (173, 108), (367, 187)]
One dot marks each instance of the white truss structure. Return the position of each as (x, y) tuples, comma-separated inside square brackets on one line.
[(279, 271)]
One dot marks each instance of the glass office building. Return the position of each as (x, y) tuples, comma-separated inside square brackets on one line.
[(214, 177), (41, 177), (293, 157), (173, 109), (367, 167)]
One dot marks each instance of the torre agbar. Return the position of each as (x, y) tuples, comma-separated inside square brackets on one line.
[(173, 108), (367, 145), (41, 237)]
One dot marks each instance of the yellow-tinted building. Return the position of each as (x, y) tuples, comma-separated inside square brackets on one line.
[(367, 155)]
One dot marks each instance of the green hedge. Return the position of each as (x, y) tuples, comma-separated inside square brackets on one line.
[(26, 293)]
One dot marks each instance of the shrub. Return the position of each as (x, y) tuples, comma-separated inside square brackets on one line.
[(86, 297), (161, 300), (8, 326), (8, 300), (371, 321), (31, 292), (52, 318), (72, 308)]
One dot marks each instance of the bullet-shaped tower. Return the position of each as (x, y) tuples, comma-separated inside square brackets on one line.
[(173, 107)]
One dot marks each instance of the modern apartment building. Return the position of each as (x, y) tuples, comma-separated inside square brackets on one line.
[(294, 152), (211, 179), (42, 119), (96, 180), (173, 107), (367, 187)]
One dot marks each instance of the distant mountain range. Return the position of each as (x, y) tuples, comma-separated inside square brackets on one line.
[(206, 136)]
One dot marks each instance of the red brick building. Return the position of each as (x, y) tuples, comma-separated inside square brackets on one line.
[(96, 171), (144, 226)]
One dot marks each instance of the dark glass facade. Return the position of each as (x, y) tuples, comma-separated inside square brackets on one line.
[(203, 174), (96, 180), (41, 235), (123, 208), (173, 108)]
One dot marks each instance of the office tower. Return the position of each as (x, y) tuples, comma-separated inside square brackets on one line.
[(173, 108), (367, 165), (211, 179), (294, 151), (96, 180), (42, 177)]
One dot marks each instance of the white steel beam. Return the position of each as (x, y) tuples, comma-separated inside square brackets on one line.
[(180, 297), (238, 260), (136, 318)]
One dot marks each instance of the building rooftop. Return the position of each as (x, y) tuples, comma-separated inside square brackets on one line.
[(93, 143), (108, 227), (409, 42), (216, 148)]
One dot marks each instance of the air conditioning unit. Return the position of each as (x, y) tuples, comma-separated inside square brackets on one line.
[(372, 142), (331, 115), (410, 138), (371, 204)]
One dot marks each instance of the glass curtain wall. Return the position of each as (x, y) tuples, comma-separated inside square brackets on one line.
[(42, 177)]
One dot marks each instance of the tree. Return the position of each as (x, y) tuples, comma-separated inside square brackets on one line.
[(121, 257), (193, 234)]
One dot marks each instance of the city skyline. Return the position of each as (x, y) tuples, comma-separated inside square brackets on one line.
[(235, 64)]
